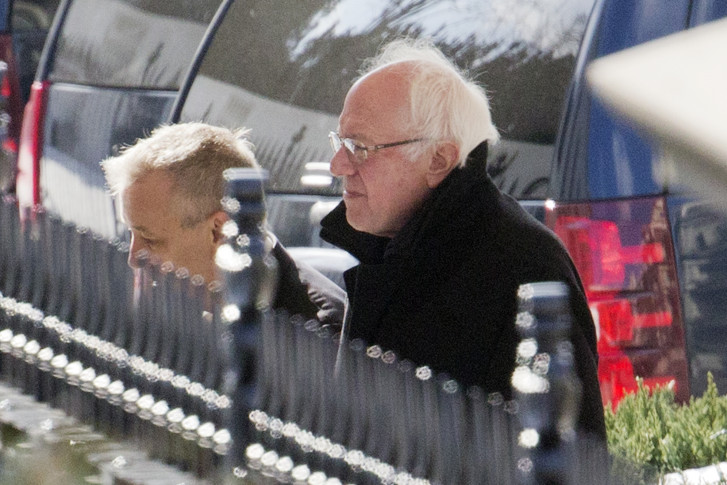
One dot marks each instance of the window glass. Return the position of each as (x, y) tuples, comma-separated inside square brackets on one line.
[(34, 15), (130, 43), (30, 24), (285, 76)]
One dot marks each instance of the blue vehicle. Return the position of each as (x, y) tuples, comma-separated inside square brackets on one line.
[(653, 258)]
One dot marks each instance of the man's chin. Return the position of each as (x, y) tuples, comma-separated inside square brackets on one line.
[(355, 220), (145, 279), (357, 225)]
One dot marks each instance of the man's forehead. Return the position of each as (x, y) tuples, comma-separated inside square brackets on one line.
[(148, 188), (148, 204), (158, 178), (378, 104)]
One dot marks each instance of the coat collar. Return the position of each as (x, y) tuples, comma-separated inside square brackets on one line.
[(365, 247), (447, 203)]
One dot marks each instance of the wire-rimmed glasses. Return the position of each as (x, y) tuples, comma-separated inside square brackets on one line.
[(360, 151)]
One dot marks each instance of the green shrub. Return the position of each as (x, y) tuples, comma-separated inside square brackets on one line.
[(649, 429)]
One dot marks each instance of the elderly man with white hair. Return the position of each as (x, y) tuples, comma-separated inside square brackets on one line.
[(442, 251)]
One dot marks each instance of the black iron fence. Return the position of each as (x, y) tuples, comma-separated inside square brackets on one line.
[(212, 383)]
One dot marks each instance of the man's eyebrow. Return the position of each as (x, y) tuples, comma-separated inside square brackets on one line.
[(353, 135), (141, 229), (357, 137)]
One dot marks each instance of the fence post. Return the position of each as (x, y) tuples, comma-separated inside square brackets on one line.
[(545, 383), (248, 271)]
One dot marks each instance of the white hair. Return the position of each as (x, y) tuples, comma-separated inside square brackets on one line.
[(194, 155), (446, 105)]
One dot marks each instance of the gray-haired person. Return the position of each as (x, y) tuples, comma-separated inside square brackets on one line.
[(442, 251), (170, 186)]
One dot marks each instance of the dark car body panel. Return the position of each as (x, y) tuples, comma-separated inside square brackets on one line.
[(700, 235), (608, 159)]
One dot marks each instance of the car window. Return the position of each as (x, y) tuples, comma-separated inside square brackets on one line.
[(33, 15), (30, 23), (285, 76), (130, 43)]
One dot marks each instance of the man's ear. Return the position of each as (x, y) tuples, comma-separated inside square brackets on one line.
[(218, 220), (443, 161)]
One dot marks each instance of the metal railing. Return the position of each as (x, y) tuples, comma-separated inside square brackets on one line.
[(214, 384)]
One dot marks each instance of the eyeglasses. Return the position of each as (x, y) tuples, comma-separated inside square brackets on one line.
[(361, 152)]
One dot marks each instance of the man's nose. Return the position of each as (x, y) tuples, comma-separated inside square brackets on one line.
[(136, 254), (341, 164), (132, 260)]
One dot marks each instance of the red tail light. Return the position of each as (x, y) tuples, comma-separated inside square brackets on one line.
[(6, 88), (625, 258), (31, 144)]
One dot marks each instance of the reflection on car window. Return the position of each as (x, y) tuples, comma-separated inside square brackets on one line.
[(285, 76), (36, 15), (137, 43), (30, 24)]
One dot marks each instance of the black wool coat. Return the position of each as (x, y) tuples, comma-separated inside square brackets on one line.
[(442, 292)]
